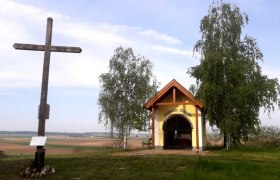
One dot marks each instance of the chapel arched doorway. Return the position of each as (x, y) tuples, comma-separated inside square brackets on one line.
[(177, 133)]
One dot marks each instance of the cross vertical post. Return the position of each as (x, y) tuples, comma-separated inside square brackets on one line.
[(44, 108), (43, 111)]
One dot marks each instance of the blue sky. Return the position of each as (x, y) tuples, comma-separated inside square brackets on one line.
[(163, 31)]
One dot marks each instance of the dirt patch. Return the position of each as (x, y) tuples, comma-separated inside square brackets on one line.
[(147, 152), (16, 148), (25, 149)]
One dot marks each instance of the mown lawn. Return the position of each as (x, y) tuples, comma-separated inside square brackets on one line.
[(243, 163)]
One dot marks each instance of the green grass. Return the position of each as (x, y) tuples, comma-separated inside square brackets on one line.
[(243, 163)]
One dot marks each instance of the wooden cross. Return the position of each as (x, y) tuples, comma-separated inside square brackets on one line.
[(43, 112)]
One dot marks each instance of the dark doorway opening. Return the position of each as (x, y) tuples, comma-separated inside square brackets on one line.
[(177, 133)]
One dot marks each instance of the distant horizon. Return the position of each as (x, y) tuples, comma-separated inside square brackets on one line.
[(107, 132)]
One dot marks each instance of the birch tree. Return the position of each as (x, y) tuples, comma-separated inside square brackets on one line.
[(229, 78), (127, 86)]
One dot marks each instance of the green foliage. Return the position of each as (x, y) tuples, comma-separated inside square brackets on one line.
[(229, 79), (127, 86)]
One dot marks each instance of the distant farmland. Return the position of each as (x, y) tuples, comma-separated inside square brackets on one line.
[(19, 144)]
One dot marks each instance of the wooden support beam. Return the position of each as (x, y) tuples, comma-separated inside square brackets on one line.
[(196, 122), (174, 95), (173, 103), (153, 126)]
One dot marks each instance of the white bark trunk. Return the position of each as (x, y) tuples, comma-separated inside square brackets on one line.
[(228, 143), (125, 146)]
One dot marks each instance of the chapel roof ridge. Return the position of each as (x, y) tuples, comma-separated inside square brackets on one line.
[(173, 83)]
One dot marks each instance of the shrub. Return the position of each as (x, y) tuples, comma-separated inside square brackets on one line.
[(268, 136), (3, 155)]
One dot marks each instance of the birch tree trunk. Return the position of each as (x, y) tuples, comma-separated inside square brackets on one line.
[(125, 146)]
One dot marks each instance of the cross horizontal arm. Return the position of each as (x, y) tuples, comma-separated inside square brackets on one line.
[(66, 49), (35, 47)]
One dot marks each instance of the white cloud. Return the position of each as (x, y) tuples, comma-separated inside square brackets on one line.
[(89, 34), (162, 37), (13, 9), (81, 71), (117, 27), (175, 51), (20, 73), (27, 24)]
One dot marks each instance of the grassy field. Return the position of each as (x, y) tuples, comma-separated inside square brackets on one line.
[(105, 163)]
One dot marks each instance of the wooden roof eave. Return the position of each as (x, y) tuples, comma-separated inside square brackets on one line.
[(164, 90)]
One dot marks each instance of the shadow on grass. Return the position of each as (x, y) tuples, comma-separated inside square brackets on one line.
[(214, 147)]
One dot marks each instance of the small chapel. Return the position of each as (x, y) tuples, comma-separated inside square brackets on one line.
[(178, 119)]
